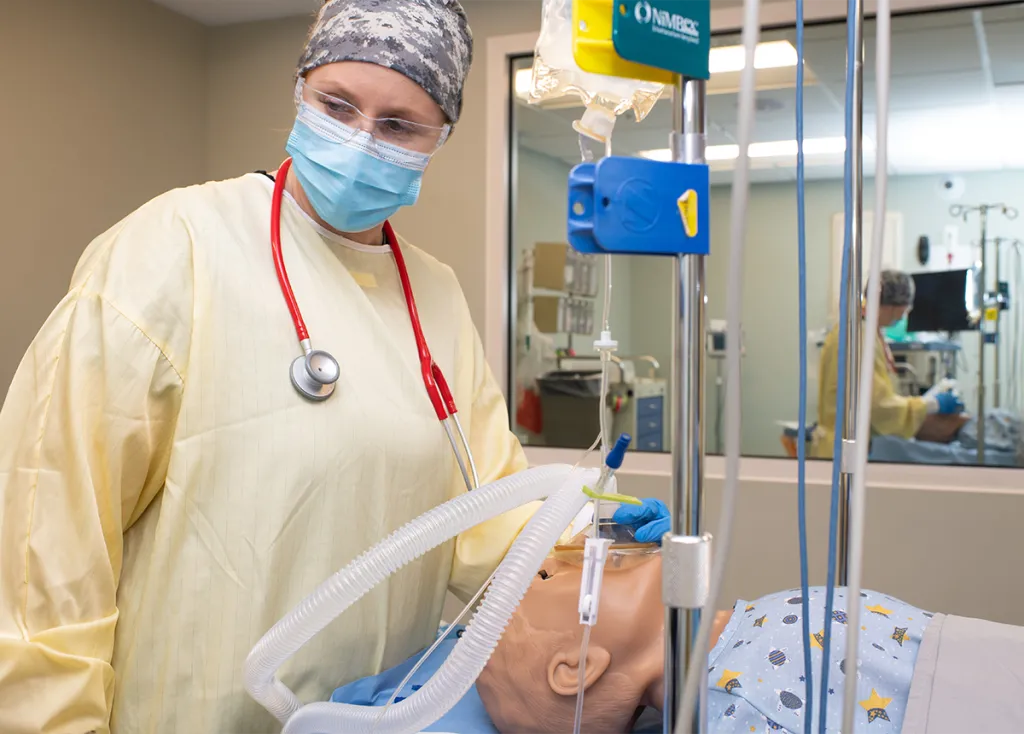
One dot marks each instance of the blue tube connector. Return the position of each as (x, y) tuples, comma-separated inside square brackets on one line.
[(618, 453)]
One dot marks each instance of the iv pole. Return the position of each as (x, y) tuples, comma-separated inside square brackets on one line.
[(689, 341), (854, 299), (1002, 303), (988, 300)]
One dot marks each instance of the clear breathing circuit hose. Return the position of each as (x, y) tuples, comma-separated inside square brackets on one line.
[(563, 488), (461, 615)]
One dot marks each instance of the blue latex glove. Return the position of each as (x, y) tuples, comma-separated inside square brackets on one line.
[(650, 520), (949, 404)]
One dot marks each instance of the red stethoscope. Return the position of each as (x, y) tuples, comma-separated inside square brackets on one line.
[(315, 374)]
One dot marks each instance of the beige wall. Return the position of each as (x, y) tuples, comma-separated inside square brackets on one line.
[(128, 100), (952, 552), (103, 108), (251, 113)]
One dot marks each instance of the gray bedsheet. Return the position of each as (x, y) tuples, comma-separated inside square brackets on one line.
[(969, 679), (897, 450)]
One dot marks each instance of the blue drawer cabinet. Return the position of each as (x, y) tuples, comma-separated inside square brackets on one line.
[(650, 407), (651, 443), (650, 424)]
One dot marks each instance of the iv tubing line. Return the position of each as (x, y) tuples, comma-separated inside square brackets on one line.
[(582, 679), (801, 446), (848, 271)]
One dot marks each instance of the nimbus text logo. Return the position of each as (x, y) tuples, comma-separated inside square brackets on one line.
[(667, 23)]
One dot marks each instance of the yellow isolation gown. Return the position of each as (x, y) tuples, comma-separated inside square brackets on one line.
[(160, 475), (892, 414)]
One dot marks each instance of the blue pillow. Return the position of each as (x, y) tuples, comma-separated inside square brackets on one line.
[(469, 714)]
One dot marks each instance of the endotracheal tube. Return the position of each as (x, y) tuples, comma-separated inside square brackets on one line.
[(595, 555)]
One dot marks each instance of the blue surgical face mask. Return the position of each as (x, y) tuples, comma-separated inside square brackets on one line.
[(353, 181)]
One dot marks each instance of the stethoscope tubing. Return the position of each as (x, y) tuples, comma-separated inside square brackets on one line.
[(440, 395)]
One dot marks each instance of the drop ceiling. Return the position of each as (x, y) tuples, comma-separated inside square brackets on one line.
[(957, 95)]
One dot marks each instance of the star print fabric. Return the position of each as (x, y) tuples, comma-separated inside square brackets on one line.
[(756, 671)]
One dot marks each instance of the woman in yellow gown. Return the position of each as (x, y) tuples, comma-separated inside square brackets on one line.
[(892, 414)]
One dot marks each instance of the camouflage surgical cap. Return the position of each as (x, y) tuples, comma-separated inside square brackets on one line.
[(429, 41)]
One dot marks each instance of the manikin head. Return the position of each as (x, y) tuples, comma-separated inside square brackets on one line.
[(531, 681)]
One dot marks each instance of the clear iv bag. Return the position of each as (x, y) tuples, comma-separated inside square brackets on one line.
[(556, 74)]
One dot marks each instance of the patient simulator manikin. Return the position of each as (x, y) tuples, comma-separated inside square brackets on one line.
[(756, 666), (531, 681)]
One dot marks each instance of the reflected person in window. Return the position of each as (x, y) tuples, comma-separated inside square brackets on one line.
[(892, 414)]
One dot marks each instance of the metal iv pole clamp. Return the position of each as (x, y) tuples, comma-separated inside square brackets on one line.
[(685, 571)]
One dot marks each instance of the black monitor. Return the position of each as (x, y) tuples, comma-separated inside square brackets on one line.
[(945, 301)]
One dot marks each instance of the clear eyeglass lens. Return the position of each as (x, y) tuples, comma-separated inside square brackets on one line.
[(394, 131)]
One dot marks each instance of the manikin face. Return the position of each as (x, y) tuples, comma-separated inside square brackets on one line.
[(531, 681)]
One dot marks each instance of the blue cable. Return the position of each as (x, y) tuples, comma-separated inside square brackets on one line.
[(841, 377), (801, 439)]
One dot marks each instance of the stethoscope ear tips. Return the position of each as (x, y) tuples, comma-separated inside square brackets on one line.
[(315, 375)]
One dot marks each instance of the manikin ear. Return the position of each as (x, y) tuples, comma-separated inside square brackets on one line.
[(564, 670)]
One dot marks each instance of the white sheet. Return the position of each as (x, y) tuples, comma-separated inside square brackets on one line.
[(969, 679)]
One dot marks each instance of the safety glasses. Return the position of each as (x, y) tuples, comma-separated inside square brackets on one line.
[(412, 136)]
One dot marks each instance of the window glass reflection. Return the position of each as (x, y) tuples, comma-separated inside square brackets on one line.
[(952, 142)]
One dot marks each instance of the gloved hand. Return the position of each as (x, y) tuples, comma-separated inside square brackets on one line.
[(945, 403), (650, 520)]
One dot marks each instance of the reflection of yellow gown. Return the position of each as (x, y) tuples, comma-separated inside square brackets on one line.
[(158, 471), (891, 413)]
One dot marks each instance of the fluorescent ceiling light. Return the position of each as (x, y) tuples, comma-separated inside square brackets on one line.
[(772, 149), (768, 55)]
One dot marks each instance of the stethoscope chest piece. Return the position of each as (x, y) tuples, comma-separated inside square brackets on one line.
[(315, 375)]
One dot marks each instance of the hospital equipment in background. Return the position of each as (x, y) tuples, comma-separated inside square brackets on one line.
[(716, 342), (570, 399), (946, 301), (992, 304), (921, 364), (315, 374), (1012, 303), (558, 290)]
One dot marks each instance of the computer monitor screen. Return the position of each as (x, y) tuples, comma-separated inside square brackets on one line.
[(945, 301)]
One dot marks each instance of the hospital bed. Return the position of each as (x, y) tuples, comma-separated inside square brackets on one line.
[(968, 677), (897, 450)]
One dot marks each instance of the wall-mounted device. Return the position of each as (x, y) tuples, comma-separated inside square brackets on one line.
[(924, 249)]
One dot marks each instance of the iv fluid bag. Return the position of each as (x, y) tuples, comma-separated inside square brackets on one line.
[(556, 74)]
